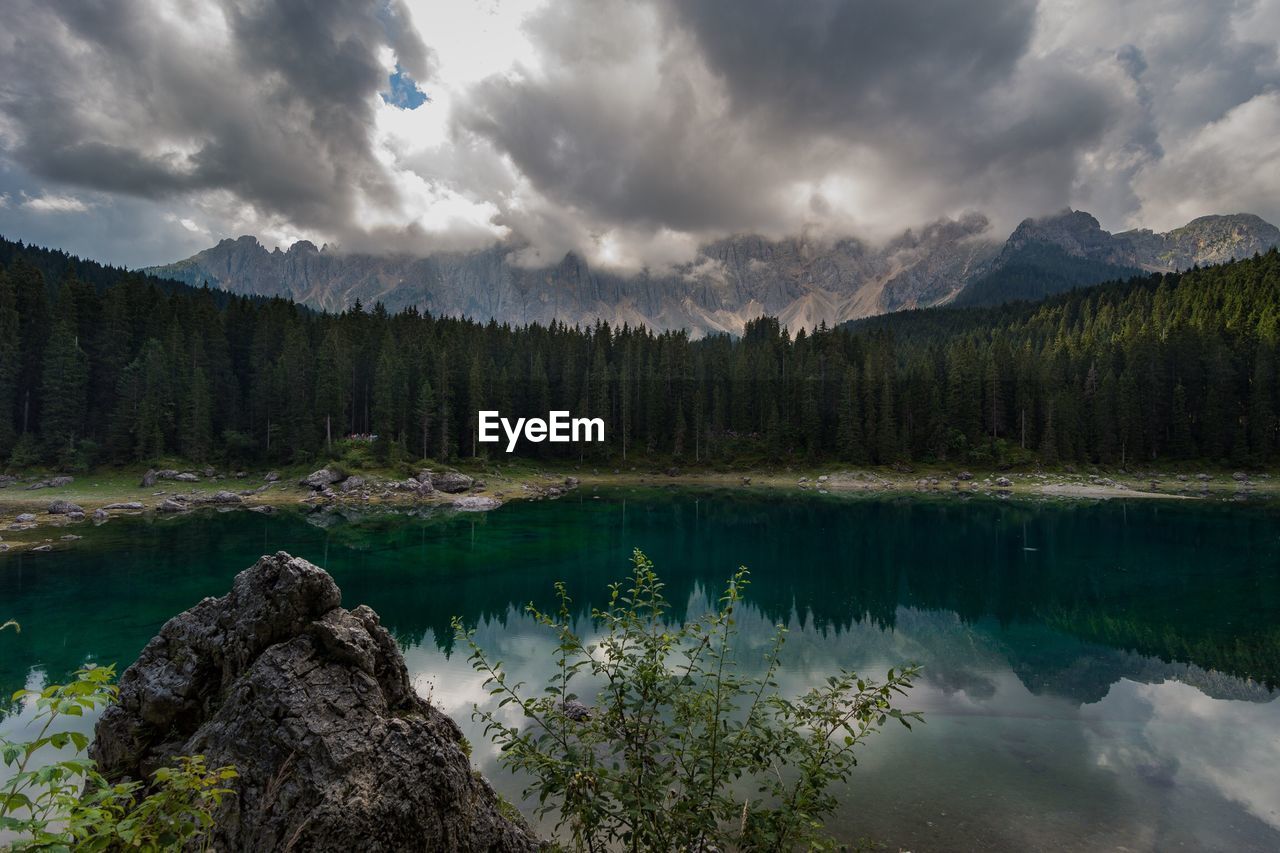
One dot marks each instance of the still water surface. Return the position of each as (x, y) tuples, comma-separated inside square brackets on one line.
[(1096, 676)]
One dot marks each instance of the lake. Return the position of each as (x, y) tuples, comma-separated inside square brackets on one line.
[(1096, 675)]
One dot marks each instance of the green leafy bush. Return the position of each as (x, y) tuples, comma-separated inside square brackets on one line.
[(681, 750), (68, 804)]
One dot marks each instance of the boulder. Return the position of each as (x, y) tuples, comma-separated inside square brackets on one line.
[(149, 479), (209, 472), (321, 479), (76, 515), (451, 482), (129, 505), (187, 477), (100, 515), (1003, 482), (351, 484), (270, 477), (1239, 476), (171, 505), (64, 508), (476, 503), (963, 476), (6, 481), (220, 498), (40, 549), (51, 483), (25, 518), (313, 706), (571, 482)]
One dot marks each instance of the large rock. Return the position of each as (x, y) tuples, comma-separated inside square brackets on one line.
[(321, 479), (451, 482), (352, 484), (150, 478), (64, 508), (313, 706), (220, 498), (173, 505), (476, 503)]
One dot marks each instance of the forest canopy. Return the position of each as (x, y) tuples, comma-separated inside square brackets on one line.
[(102, 365)]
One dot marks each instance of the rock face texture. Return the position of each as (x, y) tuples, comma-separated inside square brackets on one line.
[(1070, 249), (800, 281), (731, 281), (313, 706)]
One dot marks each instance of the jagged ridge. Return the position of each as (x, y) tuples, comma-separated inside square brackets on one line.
[(803, 282)]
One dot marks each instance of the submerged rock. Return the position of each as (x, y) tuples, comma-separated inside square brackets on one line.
[(313, 706)]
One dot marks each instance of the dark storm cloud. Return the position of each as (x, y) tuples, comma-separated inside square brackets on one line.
[(850, 64), (628, 129), (120, 96), (755, 98)]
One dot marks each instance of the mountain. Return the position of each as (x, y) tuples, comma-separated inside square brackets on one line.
[(804, 282), (1070, 249)]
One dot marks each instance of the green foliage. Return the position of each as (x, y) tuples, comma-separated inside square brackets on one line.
[(1161, 367), (681, 750), (67, 804)]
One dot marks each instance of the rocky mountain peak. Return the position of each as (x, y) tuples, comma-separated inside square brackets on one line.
[(804, 280)]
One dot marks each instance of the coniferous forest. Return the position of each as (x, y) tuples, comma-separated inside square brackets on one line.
[(99, 365)]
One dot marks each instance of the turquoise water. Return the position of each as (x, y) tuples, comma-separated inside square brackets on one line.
[(1096, 676)]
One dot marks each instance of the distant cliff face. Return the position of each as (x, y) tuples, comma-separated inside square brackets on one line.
[(1055, 253), (731, 281), (1207, 240), (802, 282)]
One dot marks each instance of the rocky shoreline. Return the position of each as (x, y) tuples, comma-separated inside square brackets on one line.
[(39, 513)]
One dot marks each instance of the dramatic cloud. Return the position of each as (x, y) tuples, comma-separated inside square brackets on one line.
[(629, 130)]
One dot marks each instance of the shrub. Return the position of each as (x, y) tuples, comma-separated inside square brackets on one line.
[(681, 750), (69, 804)]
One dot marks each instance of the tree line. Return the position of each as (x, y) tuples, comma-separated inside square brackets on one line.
[(100, 365)]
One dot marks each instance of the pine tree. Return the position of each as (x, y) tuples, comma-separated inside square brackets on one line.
[(425, 412), (333, 384), (64, 390), (10, 358)]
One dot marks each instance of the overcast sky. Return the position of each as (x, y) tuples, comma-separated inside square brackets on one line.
[(140, 131)]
